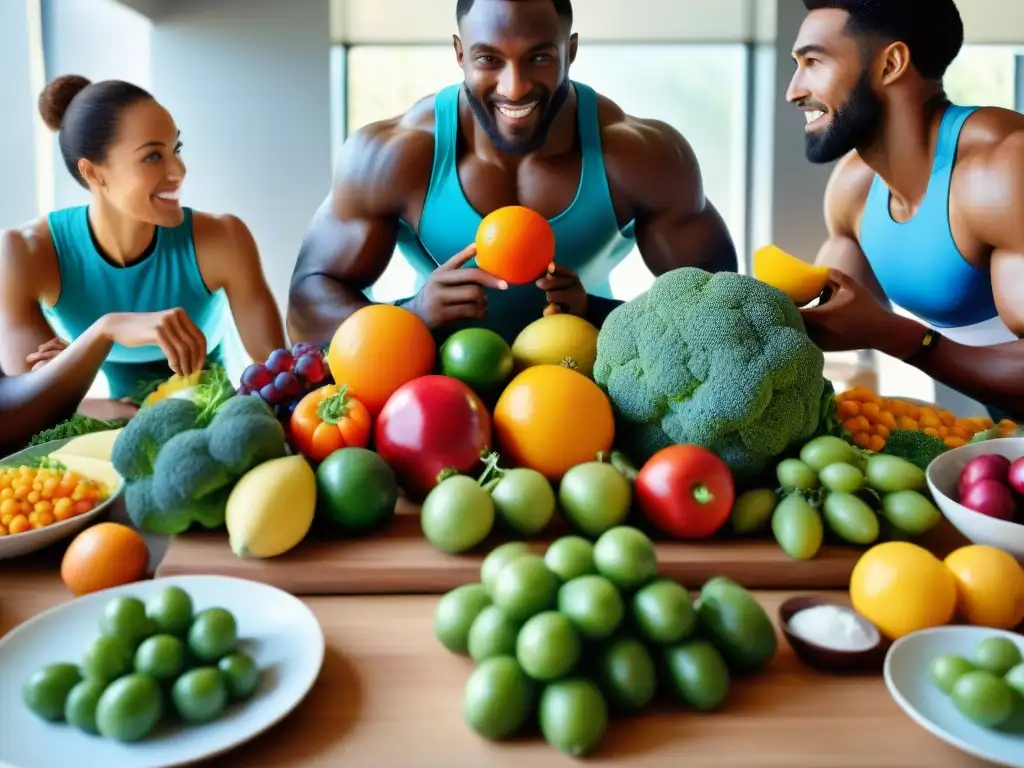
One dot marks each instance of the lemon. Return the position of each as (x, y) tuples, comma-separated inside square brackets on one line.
[(554, 339), (902, 588), (270, 510), (990, 586)]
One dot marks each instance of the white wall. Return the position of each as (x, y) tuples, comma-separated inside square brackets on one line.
[(18, 42), (100, 40)]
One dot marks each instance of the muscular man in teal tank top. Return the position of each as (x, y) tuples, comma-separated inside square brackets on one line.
[(517, 131), (925, 208), (134, 262)]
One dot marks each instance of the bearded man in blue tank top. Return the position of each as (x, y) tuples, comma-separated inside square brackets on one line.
[(517, 131), (134, 266), (925, 208)]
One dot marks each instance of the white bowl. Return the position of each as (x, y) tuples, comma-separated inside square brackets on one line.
[(18, 544), (943, 474)]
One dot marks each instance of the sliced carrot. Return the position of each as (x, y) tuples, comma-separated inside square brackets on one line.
[(861, 439), (876, 443), (848, 408), (954, 442), (871, 410)]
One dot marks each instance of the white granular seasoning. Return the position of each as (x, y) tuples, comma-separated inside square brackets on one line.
[(832, 626)]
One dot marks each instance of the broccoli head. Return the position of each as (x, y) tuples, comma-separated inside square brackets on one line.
[(720, 360), (185, 471), (243, 437), (147, 515), (137, 447), (919, 448)]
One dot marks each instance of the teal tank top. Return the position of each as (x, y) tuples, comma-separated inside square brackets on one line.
[(166, 276), (588, 238)]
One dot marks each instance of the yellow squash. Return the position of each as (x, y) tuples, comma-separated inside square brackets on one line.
[(802, 282)]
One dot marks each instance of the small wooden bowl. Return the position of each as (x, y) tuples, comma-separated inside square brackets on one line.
[(827, 659)]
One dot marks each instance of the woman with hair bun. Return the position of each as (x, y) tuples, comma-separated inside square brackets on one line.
[(134, 269)]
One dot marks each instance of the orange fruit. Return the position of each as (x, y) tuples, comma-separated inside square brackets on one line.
[(551, 418), (377, 349), (902, 588), (990, 586), (802, 282), (102, 556), (516, 244)]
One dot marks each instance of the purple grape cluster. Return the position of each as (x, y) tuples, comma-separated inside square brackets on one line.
[(286, 377)]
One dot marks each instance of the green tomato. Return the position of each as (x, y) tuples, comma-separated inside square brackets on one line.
[(794, 474)]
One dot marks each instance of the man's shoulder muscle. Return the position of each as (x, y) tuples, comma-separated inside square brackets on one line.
[(386, 162), (846, 195)]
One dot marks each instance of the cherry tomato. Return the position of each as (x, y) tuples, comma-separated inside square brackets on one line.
[(326, 420), (685, 491)]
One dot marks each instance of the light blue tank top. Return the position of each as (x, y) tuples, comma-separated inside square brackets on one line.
[(588, 238), (167, 276), (918, 264)]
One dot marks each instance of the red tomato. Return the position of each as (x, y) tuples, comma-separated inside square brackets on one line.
[(327, 420), (686, 491), (429, 425)]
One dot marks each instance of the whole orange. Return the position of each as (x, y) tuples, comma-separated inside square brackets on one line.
[(990, 586), (551, 418), (102, 556), (377, 349), (516, 244)]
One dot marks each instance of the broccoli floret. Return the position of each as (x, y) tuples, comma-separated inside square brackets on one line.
[(147, 515), (717, 360), (185, 472), (245, 406), (241, 442), (919, 448), (209, 511), (137, 447)]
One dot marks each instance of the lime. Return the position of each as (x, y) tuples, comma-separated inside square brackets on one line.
[(997, 655), (626, 557), (455, 614), (457, 514), (241, 675), (477, 357), (946, 670), (548, 647), (126, 617), (213, 634), (492, 634), (525, 587), (1015, 679), (595, 497), (698, 674), (107, 657), (573, 716), (983, 698), (130, 708), (570, 557), (46, 691), (160, 656), (80, 706), (200, 695), (663, 612), (497, 559), (356, 490), (593, 605), (498, 698), (171, 611), (626, 674), (524, 501)]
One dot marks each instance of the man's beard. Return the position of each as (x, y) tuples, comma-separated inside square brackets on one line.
[(548, 106), (853, 125)]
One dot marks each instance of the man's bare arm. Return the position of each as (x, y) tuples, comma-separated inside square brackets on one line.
[(845, 196), (676, 225), (352, 236)]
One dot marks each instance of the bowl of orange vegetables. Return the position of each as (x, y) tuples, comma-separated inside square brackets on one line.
[(43, 501), (870, 418)]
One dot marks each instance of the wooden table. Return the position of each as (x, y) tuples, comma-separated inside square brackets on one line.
[(390, 695)]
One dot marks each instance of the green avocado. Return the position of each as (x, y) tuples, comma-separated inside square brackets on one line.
[(736, 624)]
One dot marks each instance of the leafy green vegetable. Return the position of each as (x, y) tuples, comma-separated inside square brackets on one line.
[(76, 426), (720, 360)]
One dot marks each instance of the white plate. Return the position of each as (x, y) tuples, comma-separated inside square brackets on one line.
[(907, 677), (279, 631), (20, 544)]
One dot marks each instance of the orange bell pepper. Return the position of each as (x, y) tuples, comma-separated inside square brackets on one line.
[(328, 419)]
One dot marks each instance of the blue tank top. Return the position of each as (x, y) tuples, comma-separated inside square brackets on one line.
[(918, 264), (90, 287), (588, 238)]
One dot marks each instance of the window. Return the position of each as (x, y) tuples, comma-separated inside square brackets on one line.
[(701, 90), (985, 76)]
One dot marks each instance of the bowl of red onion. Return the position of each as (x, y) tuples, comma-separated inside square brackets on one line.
[(979, 487)]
